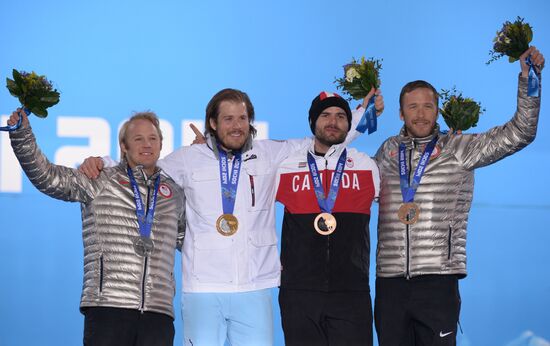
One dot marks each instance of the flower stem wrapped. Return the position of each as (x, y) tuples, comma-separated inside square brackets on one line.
[(35, 92), (360, 77), (460, 113), (512, 40)]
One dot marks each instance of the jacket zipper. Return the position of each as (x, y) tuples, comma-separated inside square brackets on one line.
[(252, 191), (143, 284), (450, 242), (408, 272), (100, 274)]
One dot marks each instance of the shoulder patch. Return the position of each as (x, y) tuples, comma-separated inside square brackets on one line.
[(165, 190)]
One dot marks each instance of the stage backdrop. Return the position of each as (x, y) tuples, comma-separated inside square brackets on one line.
[(110, 58)]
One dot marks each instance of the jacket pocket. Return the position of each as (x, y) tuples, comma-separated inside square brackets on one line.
[(100, 274), (264, 258), (213, 261), (204, 191), (450, 243), (260, 181)]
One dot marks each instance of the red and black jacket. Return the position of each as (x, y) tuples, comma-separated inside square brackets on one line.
[(339, 261)]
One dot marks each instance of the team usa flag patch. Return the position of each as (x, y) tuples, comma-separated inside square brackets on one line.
[(165, 190)]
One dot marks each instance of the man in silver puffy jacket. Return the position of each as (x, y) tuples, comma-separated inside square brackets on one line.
[(423, 212), (132, 222)]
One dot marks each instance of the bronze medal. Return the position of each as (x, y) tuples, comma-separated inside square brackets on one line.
[(325, 223), (408, 213), (227, 224)]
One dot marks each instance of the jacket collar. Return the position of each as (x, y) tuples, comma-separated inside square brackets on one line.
[(138, 172), (411, 142), (334, 150), (212, 144)]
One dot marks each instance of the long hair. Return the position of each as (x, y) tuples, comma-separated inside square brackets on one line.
[(232, 95)]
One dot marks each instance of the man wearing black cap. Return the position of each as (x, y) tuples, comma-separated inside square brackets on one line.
[(327, 190)]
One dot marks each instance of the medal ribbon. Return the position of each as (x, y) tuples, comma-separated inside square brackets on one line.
[(368, 120), (229, 183), (326, 204), (11, 128), (145, 219), (533, 82), (408, 190)]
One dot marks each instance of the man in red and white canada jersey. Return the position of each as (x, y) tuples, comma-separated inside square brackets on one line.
[(327, 190)]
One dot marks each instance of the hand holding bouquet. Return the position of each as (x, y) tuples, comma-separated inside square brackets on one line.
[(460, 113), (512, 40), (35, 92), (359, 78)]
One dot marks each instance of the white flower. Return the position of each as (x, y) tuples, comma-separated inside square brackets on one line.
[(351, 74)]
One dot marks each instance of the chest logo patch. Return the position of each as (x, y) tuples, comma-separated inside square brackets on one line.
[(165, 190), (349, 162)]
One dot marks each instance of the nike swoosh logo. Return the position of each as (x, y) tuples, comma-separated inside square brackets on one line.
[(442, 335)]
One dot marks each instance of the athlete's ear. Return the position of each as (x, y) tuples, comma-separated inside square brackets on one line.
[(213, 124)]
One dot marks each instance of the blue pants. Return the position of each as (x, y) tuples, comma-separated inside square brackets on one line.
[(243, 318)]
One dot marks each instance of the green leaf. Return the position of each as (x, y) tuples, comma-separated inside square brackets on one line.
[(528, 32), (50, 99), (39, 112), (13, 87), (17, 77)]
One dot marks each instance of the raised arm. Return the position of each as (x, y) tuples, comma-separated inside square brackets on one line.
[(55, 181), (501, 141)]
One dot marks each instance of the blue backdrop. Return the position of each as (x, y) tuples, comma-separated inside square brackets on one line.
[(109, 58)]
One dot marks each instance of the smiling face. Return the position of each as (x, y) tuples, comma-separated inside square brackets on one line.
[(232, 125), (419, 112), (141, 145), (331, 128)]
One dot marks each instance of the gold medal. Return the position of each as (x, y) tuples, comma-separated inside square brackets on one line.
[(408, 213), (325, 223), (227, 224)]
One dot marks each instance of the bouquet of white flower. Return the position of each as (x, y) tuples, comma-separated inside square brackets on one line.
[(359, 78)]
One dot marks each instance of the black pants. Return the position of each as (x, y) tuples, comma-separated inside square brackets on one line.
[(420, 311), (321, 318), (126, 327)]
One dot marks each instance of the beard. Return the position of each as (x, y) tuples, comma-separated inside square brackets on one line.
[(330, 140)]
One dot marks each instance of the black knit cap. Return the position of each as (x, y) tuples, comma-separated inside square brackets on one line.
[(323, 101)]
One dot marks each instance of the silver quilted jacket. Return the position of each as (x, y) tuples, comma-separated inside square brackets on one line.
[(436, 243), (114, 275)]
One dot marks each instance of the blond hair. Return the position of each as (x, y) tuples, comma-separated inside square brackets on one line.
[(148, 115)]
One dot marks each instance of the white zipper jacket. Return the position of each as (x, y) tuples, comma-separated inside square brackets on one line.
[(249, 259)]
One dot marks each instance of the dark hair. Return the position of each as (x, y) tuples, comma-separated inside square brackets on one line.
[(417, 84), (231, 95)]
